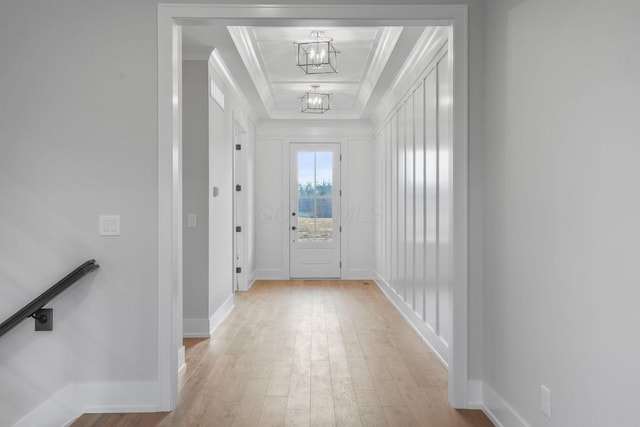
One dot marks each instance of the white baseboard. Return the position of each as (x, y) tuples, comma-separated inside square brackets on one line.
[(61, 409), (119, 397), (251, 280), (430, 338), (195, 328), (221, 313), (499, 411), (474, 395), (358, 274), (272, 274), (66, 405), (203, 328)]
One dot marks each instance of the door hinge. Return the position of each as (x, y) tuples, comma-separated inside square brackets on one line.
[(238, 229), (238, 187), (341, 229), (238, 147), (238, 269), (340, 193), (340, 157), (340, 264)]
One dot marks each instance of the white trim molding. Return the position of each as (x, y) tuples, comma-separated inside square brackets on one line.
[(196, 328), (170, 19), (221, 314), (204, 328), (182, 359), (221, 69), (66, 405), (499, 411), (429, 338)]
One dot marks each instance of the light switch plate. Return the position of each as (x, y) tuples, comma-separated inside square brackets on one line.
[(109, 225), (192, 220)]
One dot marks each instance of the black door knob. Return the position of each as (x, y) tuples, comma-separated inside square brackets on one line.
[(293, 228)]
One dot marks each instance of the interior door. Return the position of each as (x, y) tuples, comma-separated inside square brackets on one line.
[(314, 225)]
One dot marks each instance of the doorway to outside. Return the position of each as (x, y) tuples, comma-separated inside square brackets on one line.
[(170, 20), (314, 237)]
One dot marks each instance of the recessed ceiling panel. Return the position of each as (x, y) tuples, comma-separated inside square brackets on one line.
[(269, 55)]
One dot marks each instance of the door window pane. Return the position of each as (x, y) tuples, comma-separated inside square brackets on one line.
[(324, 173), (306, 173), (315, 189)]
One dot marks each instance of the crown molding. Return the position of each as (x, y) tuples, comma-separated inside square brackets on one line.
[(221, 68), (249, 53), (385, 44), (432, 40)]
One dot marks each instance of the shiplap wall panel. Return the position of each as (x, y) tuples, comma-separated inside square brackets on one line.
[(388, 193), (415, 187), (410, 205), (400, 236), (431, 212), (445, 214), (418, 146)]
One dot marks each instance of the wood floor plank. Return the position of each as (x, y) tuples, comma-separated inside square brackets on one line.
[(274, 411), (308, 353)]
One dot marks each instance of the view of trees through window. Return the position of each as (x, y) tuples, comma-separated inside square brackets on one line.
[(321, 196), (315, 192)]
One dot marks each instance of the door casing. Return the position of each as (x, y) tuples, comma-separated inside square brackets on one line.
[(170, 19)]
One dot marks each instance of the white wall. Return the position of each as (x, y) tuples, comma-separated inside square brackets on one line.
[(562, 229), (78, 139), (414, 195), (272, 193), (195, 197)]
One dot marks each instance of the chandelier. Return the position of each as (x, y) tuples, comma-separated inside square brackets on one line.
[(317, 55), (315, 102)]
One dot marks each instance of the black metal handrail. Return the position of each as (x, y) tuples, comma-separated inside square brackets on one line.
[(31, 309)]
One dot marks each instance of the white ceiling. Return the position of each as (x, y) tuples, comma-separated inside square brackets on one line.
[(262, 60)]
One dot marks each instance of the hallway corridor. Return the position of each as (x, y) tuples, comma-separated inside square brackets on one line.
[(300, 353)]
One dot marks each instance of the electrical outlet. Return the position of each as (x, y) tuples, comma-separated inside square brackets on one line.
[(545, 400)]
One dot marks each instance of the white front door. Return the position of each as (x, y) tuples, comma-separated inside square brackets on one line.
[(314, 203)]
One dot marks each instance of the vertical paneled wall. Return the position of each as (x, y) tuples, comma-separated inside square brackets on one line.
[(414, 195)]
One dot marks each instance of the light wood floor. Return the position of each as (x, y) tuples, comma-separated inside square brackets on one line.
[(299, 353)]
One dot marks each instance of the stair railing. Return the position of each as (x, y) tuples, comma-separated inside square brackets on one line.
[(44, 316)]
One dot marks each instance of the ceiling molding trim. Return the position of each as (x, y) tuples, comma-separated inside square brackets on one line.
[(335, 113), (221, 68), (432, 40), (245, 43), (385, 44), (300, 129)]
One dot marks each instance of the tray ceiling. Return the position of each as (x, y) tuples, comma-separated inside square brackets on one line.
[(369, 57)]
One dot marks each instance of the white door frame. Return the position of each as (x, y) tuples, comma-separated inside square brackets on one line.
[(170, 19), (239, 206)]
